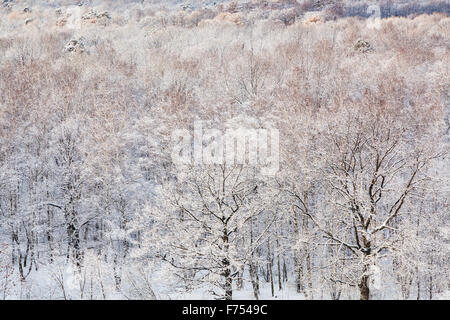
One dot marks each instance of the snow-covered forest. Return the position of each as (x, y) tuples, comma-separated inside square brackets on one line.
[(93, 206)]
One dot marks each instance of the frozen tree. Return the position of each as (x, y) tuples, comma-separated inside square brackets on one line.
[(198, 229)]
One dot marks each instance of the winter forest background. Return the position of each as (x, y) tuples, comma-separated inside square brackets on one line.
[(92, 206)]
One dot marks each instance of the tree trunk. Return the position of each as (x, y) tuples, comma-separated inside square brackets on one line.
[(228, 283), (297, 256), (226, 267), (252, 269), (364, 291), (364, 288), (269, 267), (254, 279), (278, 264)]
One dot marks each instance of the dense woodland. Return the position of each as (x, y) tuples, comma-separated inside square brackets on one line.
[(93, 207)]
